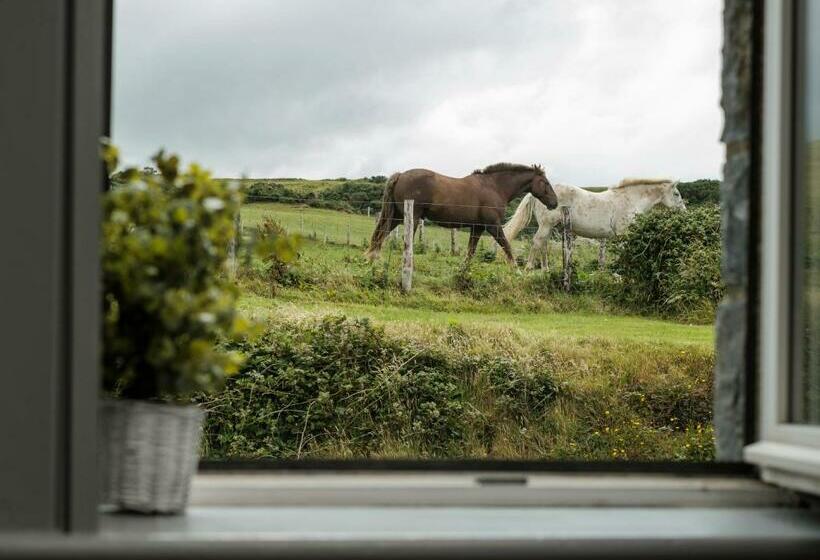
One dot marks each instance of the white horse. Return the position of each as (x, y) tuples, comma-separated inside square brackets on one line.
[(597, 215)]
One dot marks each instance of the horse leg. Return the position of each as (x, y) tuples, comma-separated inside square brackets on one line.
[(418, 215), (475, 233), (385, 225), (498, 233), (539, 248)]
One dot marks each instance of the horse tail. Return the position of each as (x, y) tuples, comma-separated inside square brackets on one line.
[(522, 217), (383, 226)]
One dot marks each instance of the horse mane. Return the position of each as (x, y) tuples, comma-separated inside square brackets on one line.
[(501, 167), (633, 181)]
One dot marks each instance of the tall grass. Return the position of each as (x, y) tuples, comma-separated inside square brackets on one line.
[(337, 388)]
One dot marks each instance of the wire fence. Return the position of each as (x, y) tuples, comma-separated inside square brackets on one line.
[(332, 221), (374, 204), (351, 222)]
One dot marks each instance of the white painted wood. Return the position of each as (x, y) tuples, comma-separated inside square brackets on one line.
[(789, 454), (489, 489)]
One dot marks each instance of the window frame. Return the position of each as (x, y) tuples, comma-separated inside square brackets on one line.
[(787, 453), (734, 467), (74, 507)]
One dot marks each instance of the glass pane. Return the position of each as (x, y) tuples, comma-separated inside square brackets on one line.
[(316, 104), (807, 385)]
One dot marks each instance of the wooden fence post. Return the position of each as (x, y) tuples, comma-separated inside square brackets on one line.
[(237, 222), (233, 245), (368, 211), (421, 231), (407, 260), (348, 234), (453, 242), (302, 222), (602, 255), (567, 246)]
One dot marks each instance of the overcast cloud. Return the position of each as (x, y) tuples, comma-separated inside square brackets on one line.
[(593, 90)]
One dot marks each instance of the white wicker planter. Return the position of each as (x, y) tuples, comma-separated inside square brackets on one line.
[(148, 453)]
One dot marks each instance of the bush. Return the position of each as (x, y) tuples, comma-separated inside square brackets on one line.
[(166, 299), (375, 277), (669, 262), (702, 191), (271, 191), (478, 282), (353, 196), (520, 393), (277, 269), (697, 284), (349, 196), (309, 385), (342, 388)]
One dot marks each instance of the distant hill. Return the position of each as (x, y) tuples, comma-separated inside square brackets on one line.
[(702, 191), (356, 195)]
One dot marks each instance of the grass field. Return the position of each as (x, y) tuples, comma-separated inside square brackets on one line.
[(620, 385), (321, 223), (555, 325), (333, 277)]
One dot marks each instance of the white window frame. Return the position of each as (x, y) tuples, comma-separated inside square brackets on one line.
[(788, 454)]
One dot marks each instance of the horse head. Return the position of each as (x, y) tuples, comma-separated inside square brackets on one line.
[(671, 197), (541, 189)]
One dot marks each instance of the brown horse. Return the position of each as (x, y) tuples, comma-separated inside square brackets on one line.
[(477, 201)]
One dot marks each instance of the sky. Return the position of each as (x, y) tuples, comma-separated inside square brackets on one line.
[(593, 90)]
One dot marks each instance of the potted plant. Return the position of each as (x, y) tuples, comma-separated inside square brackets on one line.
[(167, 305)]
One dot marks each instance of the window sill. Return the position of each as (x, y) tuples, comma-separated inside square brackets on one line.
[(401, 532), (788, 465), (507, 489), (436, 515)]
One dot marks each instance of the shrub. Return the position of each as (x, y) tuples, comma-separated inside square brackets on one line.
[(702, 191), (276, 264), (272, 191), (350, 196), (670, 261), (375, 277), (342, 388), (306, 386), (697, 286), (166, 301), (353, 196), (487, 255), (520, 392), (478, 282)]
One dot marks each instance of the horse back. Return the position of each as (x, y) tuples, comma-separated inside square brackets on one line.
[(447, 199)]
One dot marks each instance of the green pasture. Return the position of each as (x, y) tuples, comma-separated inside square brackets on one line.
[(331, 277), (612, 328), (523, 369), (321, 223)]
